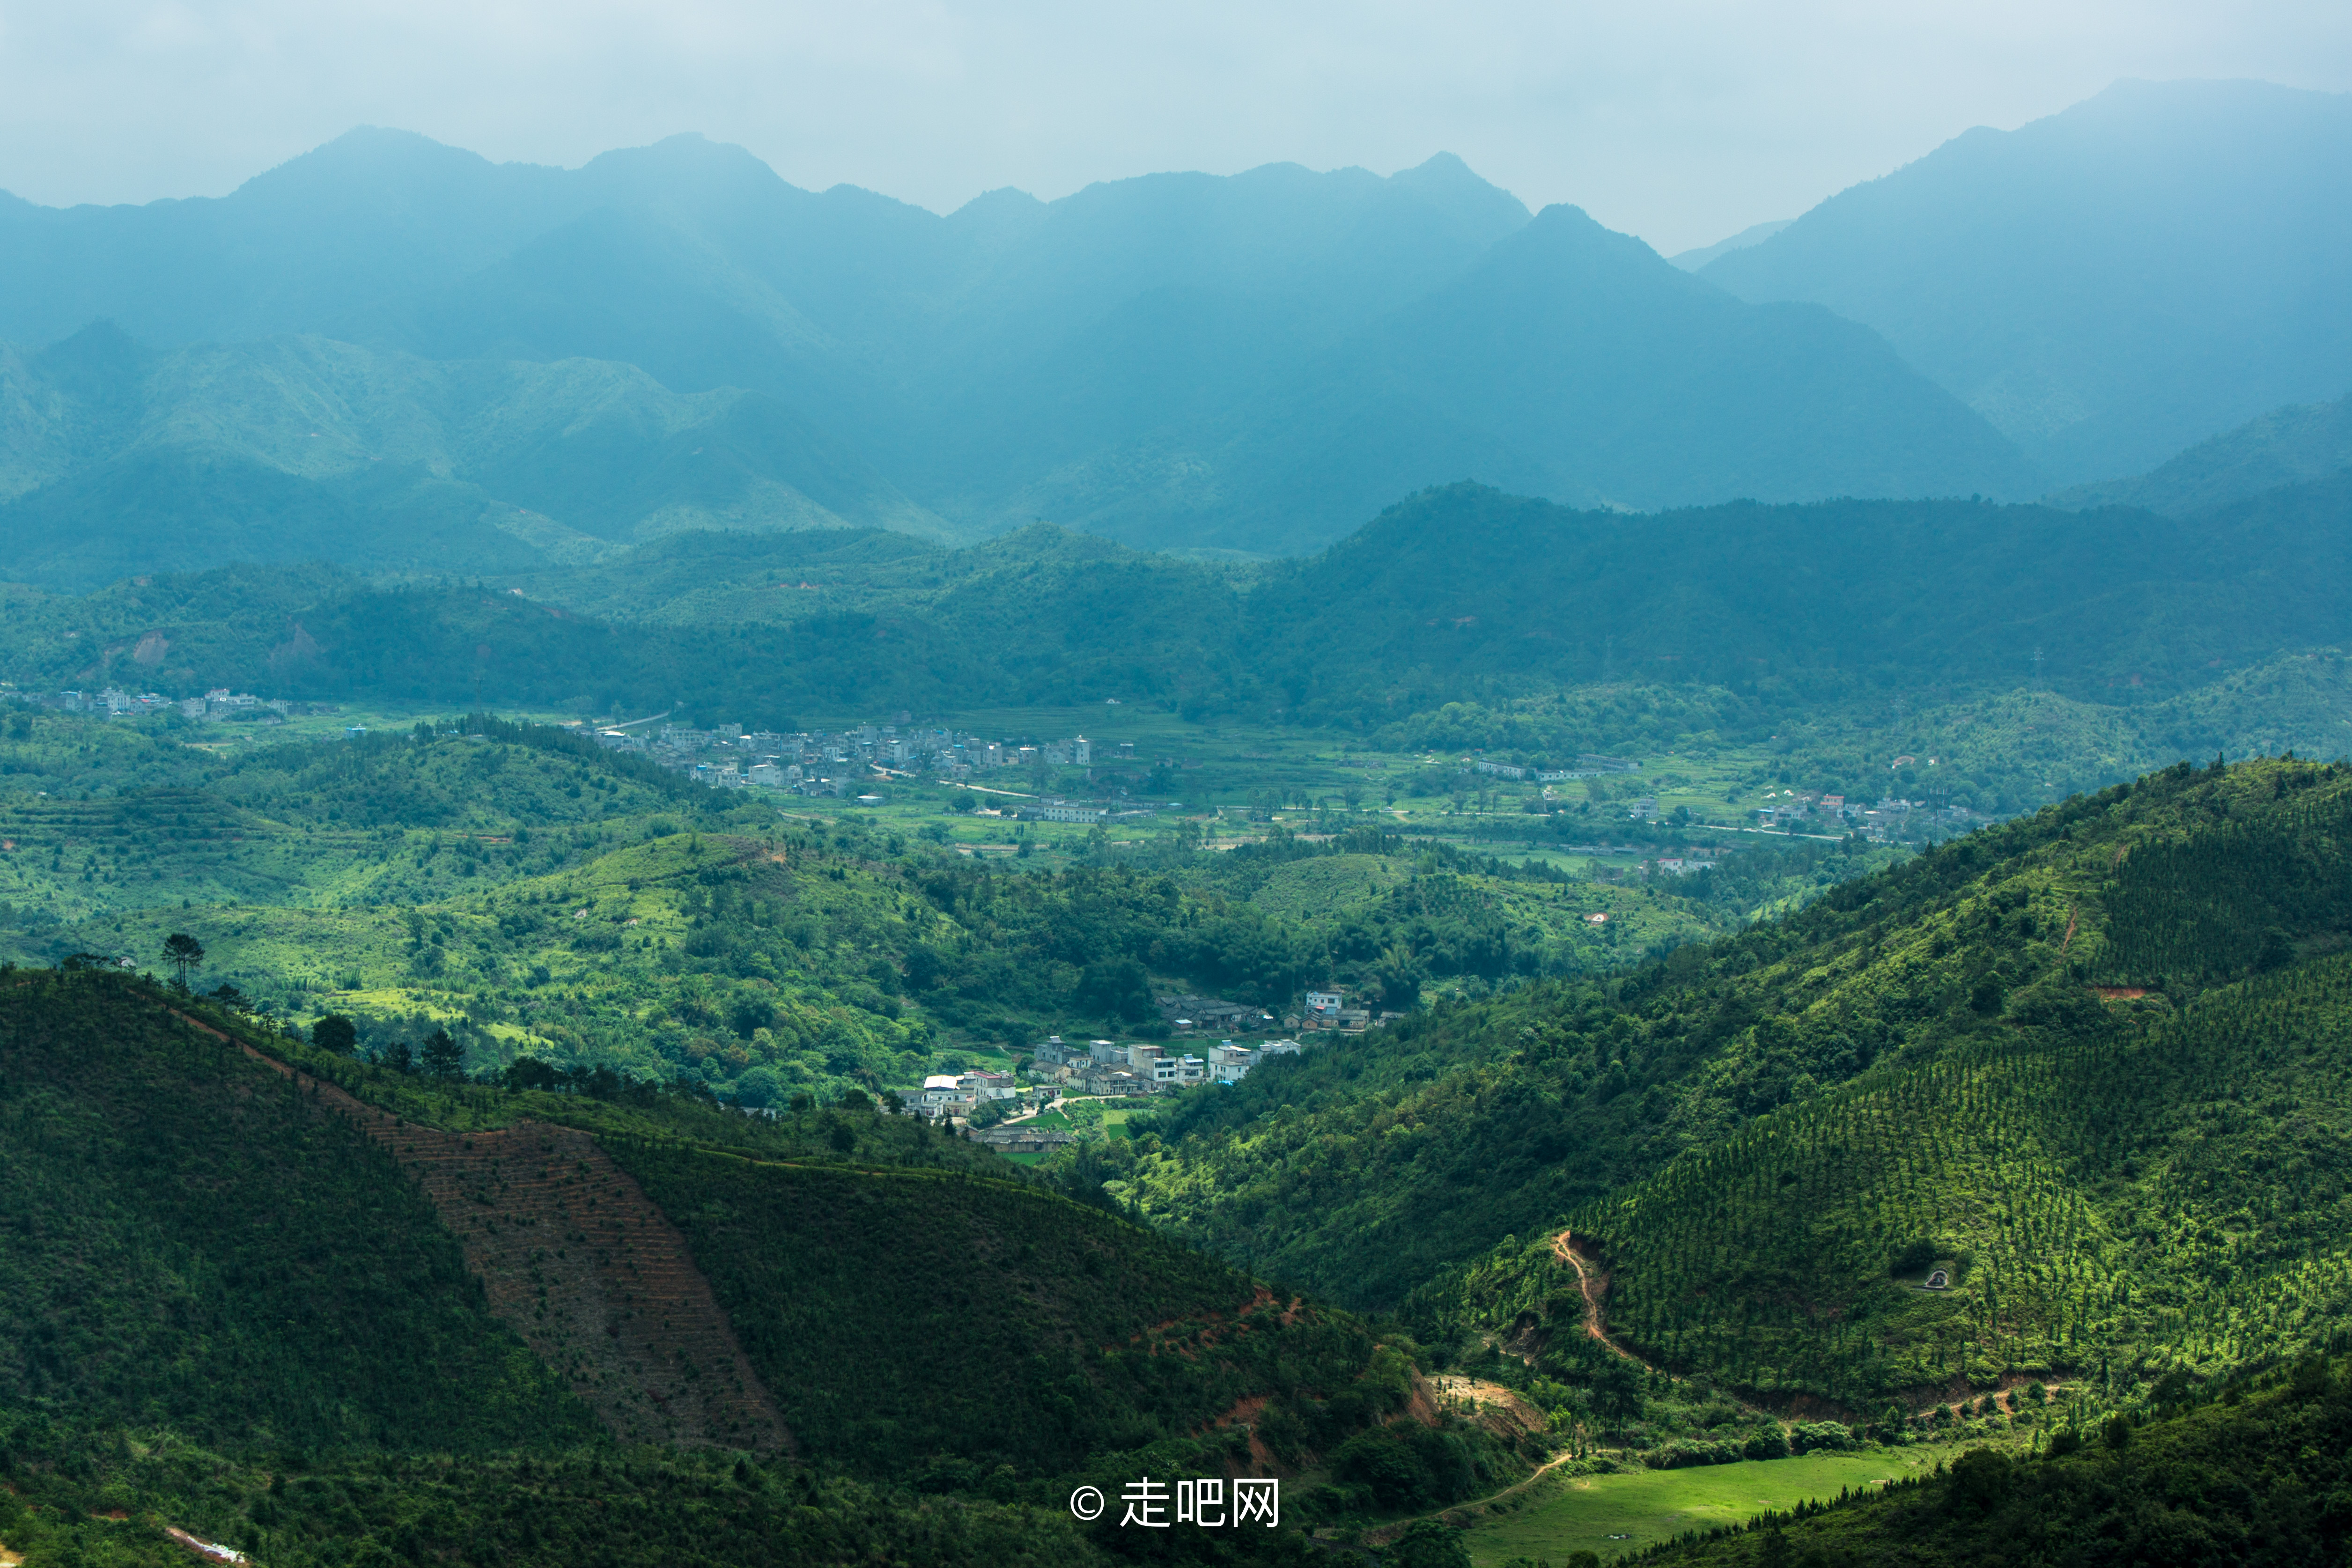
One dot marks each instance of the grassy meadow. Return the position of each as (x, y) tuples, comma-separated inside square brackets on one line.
[(1617, 1515)]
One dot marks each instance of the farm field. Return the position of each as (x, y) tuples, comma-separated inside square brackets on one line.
[(1618, 1514), (1109, 1117)]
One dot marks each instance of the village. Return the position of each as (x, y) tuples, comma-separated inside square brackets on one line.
[(1000, 1109), (854, 764)]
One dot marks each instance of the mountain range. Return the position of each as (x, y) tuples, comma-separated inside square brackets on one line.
[(2107, 285), (507, 363), (120, 459)]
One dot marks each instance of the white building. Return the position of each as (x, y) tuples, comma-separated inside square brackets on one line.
[(1063, 811)]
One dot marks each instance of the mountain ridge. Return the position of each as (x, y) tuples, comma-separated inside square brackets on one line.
[(2296, 444), (1177, 359), (2108, 284)]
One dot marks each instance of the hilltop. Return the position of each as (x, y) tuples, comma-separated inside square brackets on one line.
[(2304, 446), (126, 460)]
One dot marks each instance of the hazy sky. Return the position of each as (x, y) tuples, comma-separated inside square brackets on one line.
[(1680, 120)]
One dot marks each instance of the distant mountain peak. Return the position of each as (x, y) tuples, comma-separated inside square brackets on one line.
[(1000, 215), (1441, 165), (1564, 229), (1445, 181), (365, 154), (96, 360)]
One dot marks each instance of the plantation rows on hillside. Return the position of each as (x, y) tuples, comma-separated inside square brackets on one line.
[(1363, 1170), (2114, 1181)]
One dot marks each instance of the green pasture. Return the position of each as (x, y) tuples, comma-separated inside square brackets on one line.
[(1625, 1514)]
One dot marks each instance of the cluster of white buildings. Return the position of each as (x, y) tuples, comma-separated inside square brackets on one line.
[(1588, 766), (114, 702), (954, 1096), (1890, 818), (220, 703), (843, 762), (1105, 1067)]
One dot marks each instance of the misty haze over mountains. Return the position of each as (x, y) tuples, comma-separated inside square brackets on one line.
[(391, 352), (2108, 285)]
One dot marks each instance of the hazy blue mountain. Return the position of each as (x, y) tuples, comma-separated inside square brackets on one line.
[(116, 459), (1574, 363), (371, 214), (1256, 362), (1754, 233), (2108, 285), (2288, 446)]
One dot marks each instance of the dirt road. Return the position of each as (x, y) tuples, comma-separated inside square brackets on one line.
[(1593, 1282)]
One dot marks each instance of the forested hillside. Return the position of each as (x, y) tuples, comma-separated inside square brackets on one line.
[(1365, 1169), (1454, 594), (192, 1247), (2293, 446), (2120, 1146), (122, 460), (219, 1251)]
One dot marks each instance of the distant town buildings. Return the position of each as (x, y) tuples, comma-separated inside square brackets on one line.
[(1795, 810), (1588, 766), (220, 703), (850, 763)]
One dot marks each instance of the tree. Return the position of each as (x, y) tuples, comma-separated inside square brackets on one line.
[(184, 953), (443, 1057), (336, 1034), (1427, 1543), (397, 1056)]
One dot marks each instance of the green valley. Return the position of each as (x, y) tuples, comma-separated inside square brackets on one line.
[(1291, 867)]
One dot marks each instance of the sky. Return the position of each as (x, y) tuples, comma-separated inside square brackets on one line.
[(1679, 120)]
